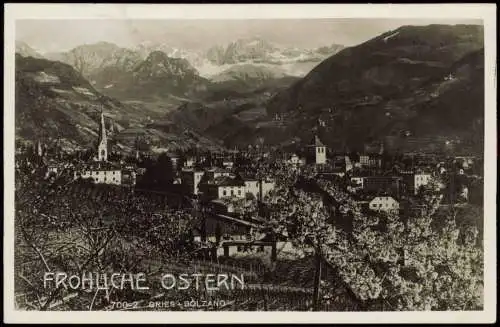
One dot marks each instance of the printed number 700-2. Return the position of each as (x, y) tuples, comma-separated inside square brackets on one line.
[(114, 305)]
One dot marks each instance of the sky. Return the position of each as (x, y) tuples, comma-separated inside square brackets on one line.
[(61, 35)]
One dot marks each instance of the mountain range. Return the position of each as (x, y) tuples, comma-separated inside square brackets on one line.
[(414, 88), (417, 87)]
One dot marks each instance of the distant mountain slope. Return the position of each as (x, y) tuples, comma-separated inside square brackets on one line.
[(25, 50), (389, 64), (248, 72), (89, 59), (54, 101), (156, 77), (258, 50), (394, 84)]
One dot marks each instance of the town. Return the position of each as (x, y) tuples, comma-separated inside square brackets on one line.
[(231, 197)]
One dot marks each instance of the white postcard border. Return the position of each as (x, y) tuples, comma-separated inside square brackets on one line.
[(486, 12)]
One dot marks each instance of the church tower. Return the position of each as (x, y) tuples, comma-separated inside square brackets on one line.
[(102, 148), (319, 151)]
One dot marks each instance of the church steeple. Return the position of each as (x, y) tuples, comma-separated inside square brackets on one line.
[(102, 149)]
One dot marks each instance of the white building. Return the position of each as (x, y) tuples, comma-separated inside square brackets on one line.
[(420, 180), (259, 188), (320, 151), (101, 175), (266, 187), (191, 179), (225, 187), (384, 203), (252, 186)]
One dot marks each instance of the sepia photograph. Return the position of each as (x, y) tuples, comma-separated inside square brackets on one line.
[(224, 163)]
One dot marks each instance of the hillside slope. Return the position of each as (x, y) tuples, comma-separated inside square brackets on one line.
[(394, 87), (54, 101)]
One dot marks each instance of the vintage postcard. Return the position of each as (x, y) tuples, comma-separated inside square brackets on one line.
[(250, 163)]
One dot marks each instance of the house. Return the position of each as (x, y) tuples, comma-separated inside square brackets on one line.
[(191, 179), (224, 187), (259, 188), (252, 186), (216, 227), (266, 186), (420, 179), (102, 173), (364, 160), (384, 203)]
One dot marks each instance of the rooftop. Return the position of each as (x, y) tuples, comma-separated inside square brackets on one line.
[(227, 181)]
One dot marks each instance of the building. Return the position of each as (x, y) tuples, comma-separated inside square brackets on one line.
[(217, 227), (266, 186), (191, 179), (317, 151), (252, 186), (259, 188), (100, 173), (370, 160), (102, 147), (364, 160), (384, 203), (225, 187)]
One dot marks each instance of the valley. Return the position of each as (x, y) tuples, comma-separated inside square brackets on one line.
[(402, 88)]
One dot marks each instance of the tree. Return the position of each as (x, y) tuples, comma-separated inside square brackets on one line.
[(305, 221), (419, 264), (413, 265)]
